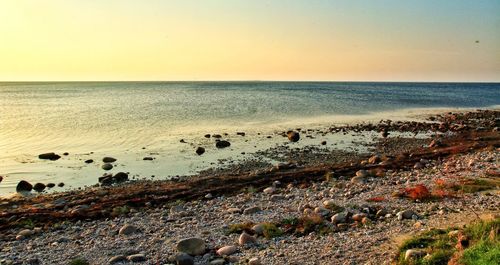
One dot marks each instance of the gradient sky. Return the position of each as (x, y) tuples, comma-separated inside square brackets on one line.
[(382, 40)]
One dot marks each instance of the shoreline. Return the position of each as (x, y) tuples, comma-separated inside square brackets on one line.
[(463, 145)]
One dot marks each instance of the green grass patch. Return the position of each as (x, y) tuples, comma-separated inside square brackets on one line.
[(483, 245), (79, 261)]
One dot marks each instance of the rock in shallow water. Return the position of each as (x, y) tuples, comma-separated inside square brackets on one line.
[(200, 150), (108, 159), (293, 136), (23, 185), (107, 166), (49, 156), (222, 144), (193, 246), (39, 187)]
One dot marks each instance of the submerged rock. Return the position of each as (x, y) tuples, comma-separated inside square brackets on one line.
[(200, 150), (89, 161), (222, 144), (50, 185), (39, 187), (49, 156), (23, 185), (108, 159), (107, 166), (293, 136)]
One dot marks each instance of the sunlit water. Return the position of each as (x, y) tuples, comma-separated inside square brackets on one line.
[(132, 120)]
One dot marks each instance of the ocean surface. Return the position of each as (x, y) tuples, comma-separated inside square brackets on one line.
[(131, 120)]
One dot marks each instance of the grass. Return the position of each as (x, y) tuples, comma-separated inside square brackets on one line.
[(271, 231), (239, 228), (483, 246)]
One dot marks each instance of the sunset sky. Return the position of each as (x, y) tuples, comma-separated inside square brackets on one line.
[(379, 40)]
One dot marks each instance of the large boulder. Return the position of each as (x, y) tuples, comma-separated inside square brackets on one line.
[(193, 246), (49, 156), (23, 185), (293, 136)]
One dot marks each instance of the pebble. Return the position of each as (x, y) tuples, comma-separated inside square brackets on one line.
[(227, 250), (339, 218), (108, 159), (116, 259), (254, 261), (414, 253), (184, 259), (137, 257), (252, 210), (127, 230), (107, 166), (246, 239), (270, 190)]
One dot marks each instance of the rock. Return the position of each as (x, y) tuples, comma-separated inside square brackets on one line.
[(137, 258), (200, 150), (207, 135), (358, 217), (270, 190), (50, 185), (49, 156), (240, 133), (329, 203), (254, 261), (277, 197), (120, 177), (366, 221), (217, 262), (127, 230), (362, 173), (1, 178), (222, 144), (418, 165), (339, 218), (323, 142), (182, 141), (227, 250), (89, 161), (26, 232), (193, 246), (108, 159), (406, 214), (65, 153), (218, 136), (107, 166), (20, 237), (61, 184), (252, 210), (358, 180), (39, 187), (184, 259), (148, 158), (374, 159), (258, 229), (23, 185), (381, 212), (414, 253), (106, 179), (233, 210), (116, 259), (293, 136), (246, 239), (209, 196)]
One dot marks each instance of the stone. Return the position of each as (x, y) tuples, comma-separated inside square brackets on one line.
[(246, 239), (227, 250), (148, 158), (381, 213), (127, 230), (23, 185), (293, 136), (254, 261), (406, 214), (358, 217), (193, 246), (39, 187), (270, 190), (89, 161), (233, 210), (413, 254), (252, 210), (418, 165), (217, 262), (50, 185), (184, 259), (107, 166), (258, 229), (329, 203), (323, 142), (200, 150), (362, 173), (137, 258), (374, 159), (108, 159), (116, 259), (209, 196), (358, 180), (339, 218), (60, 185), (49, 156), (26, 232)]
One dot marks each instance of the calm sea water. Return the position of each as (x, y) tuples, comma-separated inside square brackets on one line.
[(121, 118)]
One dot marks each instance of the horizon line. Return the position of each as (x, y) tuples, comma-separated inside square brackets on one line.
[(240, 80)]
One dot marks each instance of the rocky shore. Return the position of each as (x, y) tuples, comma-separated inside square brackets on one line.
[(318, 207)]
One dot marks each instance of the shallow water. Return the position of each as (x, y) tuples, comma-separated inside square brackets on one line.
[(120, 119)]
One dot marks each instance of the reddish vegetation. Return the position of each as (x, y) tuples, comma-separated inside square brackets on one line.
[(419, 192), (376, 199)]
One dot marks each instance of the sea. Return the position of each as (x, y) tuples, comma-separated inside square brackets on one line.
[(133, 120)]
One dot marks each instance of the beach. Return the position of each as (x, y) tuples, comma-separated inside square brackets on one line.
[(316, 206)]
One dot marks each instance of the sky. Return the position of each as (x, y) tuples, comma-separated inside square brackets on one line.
[(311, 40)]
